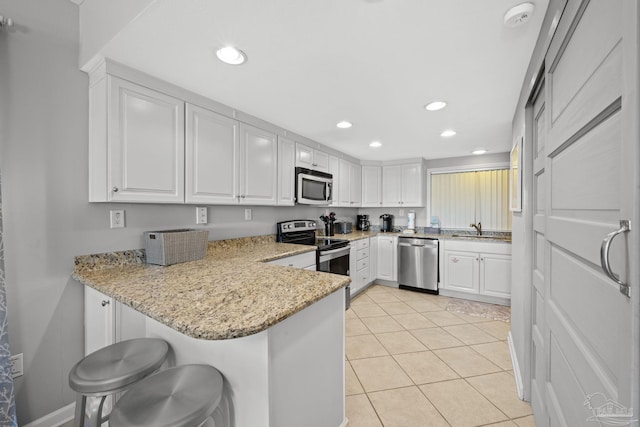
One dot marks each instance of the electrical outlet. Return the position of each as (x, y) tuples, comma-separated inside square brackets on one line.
[(17, 369), (116, 218), (201, 215), (247, 214)]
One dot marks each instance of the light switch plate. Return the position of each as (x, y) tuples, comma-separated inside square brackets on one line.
[(248, 215)]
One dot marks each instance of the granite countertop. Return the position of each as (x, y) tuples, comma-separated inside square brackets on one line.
[(358, 235), (231, 293)]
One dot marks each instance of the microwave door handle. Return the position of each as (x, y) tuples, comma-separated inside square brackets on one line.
[(330, 185)]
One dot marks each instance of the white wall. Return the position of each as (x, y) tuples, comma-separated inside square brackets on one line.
[(422, 219), (47, 219)]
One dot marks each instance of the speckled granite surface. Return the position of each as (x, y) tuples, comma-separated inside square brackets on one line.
[(357, 235), (231, 293)]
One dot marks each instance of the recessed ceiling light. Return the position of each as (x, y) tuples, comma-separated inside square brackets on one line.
[(479, 151), (344, 124), (375, 144), (231, 55), (435, 105), (447, 133)]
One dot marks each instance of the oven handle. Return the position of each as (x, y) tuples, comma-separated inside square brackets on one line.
[(333, 254)]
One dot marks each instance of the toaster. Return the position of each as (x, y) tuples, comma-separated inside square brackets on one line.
[(342, 227)]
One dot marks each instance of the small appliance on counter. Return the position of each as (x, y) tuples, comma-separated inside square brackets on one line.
[(386, 223), (342, 227), (363, 223), (169, 247)]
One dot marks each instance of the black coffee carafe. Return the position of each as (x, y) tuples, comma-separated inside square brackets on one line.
[(386, 223), (363, 223)]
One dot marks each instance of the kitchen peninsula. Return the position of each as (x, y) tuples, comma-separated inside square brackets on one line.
[(276, 333)]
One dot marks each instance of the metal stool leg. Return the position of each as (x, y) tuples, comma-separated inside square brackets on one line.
[(81, 404)]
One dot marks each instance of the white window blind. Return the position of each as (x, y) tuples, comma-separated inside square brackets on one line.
[(462, 198)]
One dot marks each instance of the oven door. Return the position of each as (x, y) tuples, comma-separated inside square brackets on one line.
[(334, 261)]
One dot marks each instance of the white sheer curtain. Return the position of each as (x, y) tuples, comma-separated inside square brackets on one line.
[(7, 393), (462, 198)]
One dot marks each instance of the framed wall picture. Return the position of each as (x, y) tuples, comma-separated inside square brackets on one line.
[(515, 177)]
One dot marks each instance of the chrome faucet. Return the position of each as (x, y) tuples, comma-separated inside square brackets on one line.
[(477, 227)]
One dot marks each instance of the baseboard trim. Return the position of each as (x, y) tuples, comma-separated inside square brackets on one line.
[(345, 423), (516, 368), (55, 418)]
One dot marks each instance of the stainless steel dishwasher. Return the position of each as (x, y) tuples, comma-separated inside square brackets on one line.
[(418, 264)]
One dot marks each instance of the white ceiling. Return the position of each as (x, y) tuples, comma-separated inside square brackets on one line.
[(375, 63)]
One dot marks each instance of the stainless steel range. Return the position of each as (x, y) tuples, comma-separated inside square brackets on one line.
[(332, 255)]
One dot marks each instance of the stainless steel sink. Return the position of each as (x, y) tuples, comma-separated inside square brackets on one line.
[(472, 236)]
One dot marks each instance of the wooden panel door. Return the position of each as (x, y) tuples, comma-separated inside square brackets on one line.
[(211, 157), (587, 342), (286, 171), (355, 185), (371, 186), (146, 145), (495, 275), (391, 186), (258, 166), (461, 271), (412, 185)]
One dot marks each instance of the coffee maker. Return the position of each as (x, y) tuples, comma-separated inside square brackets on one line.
[(363, 223), (386, 223)]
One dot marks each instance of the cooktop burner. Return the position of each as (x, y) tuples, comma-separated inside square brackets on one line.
[(303, 232)]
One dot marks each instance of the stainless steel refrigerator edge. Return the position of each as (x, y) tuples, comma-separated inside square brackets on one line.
[(418, 264)]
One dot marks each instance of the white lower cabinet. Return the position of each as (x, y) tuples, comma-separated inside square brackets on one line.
[(359, 265), (387, 258), (480, 269), (305, 261)]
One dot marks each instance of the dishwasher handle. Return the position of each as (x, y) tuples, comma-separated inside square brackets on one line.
[(423, 245)]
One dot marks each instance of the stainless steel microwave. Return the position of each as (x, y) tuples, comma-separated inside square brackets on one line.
[(313, 187)]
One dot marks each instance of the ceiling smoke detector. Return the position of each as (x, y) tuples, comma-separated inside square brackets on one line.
[(518, 15)]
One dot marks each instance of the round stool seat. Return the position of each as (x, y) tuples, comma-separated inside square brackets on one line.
[(183, 396), (116, 366)]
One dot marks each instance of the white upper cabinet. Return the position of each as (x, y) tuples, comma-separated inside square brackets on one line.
[(212, 153), (136, 150), (402, 185), (349, 184), (334, 170), (310, 158), (258, 166), (286, 171), (371, 186)]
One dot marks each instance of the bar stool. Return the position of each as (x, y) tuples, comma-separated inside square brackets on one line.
[(113, 369), (184, 396)]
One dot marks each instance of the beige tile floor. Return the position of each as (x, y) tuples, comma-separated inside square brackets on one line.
[(410, 362)]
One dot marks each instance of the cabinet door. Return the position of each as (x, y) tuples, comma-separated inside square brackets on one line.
[(334, 170), (286, 165), (461, 271), (353, 269), (304, 156), (99, 320), (146, 145), (391, 186), (321, 161), (344, 185), (412, 185), (211, 157), (387, 258), (373, 258), (495, 275), (355, 185), (258, 166), (371, 186)]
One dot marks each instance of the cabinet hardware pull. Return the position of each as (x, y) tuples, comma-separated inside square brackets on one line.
[(625, 225), (114, 189), (105, 303)]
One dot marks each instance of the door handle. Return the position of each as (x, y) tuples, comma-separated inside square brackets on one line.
[(625, 225)]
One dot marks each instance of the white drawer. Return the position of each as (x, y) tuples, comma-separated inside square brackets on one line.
[(362, 253), (362, 264), (363, 243), (363, 276), (305, 260)]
